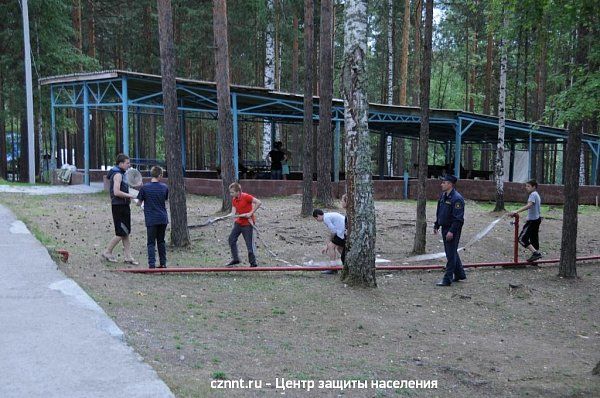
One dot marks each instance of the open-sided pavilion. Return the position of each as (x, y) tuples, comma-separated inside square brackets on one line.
[(130, 93)]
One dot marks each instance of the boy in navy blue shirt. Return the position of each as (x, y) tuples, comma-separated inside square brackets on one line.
[(153, 196)]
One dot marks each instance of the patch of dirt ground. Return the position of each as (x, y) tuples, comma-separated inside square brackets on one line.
[(478, 338)]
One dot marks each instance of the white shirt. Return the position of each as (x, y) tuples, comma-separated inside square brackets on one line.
[(336, 223), (534, 211)]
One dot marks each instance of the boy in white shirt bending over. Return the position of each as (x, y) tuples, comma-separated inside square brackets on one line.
[(337, 226), (529, 236)]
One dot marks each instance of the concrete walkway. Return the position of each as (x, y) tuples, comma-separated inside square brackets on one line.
[(94, 187), (55, 341)]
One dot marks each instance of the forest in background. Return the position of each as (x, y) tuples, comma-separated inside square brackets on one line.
[(553, 76)]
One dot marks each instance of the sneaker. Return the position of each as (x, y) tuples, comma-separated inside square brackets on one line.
[(162, 266), (534, 257), (151, 266), (232, 263), (253, 265)]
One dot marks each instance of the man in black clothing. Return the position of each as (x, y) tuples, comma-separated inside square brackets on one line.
[(120, 199), (276, 156)]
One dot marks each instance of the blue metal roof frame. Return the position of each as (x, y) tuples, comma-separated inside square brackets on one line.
[(123, 89), (257, 103)]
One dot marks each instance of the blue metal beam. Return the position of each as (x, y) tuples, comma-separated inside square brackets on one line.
[(195, 94), (144, 98), (513, 127), (464, 130)]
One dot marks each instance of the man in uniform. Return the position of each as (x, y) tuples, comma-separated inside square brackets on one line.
[(450, 216)]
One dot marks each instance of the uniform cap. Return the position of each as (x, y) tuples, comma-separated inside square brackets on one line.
[(450, 177)]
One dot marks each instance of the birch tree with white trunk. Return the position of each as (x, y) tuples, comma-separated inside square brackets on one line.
[(359, 267), (269, 72), (499, 163)]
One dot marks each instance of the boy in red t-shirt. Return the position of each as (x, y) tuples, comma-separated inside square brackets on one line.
[(244, 206)]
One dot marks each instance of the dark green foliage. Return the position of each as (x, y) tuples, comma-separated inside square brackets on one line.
[(126, 37)]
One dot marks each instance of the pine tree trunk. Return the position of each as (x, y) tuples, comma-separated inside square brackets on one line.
[(421, 223), (223, 98), (278, 47), (77, 30), (404, 58), (472, 68), (541, 74), (91, 52), (307, 150), (417, 52), (390, 79), (568, 248), (325, 137), (359, 267), (149, 39), (3, 154), (467, 65), (539, 163), (177, 202), (24, 144), (269, 73), (78, 36), (517, 84), (295, 56), (414, 156), (567, 267), (91, 28), (525, 78), (499, 168)]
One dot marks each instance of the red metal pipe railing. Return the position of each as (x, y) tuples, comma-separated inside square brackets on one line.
[(337, 267), (516, 245)]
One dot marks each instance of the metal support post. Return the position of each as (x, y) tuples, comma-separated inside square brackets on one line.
[(530, 161), (86, 135), (381, 155), (125, 106), (236, 159), (595, 162), (457, 149), (511, 170), (336, 152), (183, 140), (405, 184), (53, 145), (137, 132)]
